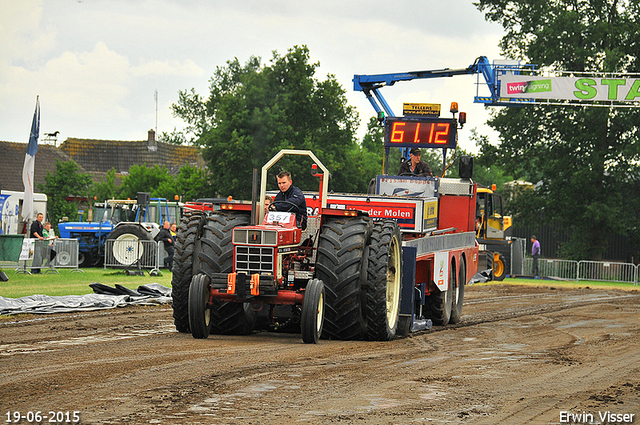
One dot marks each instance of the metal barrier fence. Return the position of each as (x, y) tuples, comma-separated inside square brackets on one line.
[(47, 256), (66, 253), (131, 253), (608, 271), (561, 269), (604, 271)]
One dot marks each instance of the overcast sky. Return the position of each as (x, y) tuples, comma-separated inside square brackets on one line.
[(96, 64)]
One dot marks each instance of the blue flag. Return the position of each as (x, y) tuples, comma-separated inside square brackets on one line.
[(29, 165)]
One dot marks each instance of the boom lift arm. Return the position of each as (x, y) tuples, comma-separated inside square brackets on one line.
[(370, 84)]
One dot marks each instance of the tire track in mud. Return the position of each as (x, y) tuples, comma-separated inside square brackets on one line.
[(521, 311)]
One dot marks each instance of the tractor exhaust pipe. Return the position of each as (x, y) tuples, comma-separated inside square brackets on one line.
[(254, 198)]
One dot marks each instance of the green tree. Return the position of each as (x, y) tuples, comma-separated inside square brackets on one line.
[(371, 150), (585, 159), (190, 184), (373, 140), (486, 171), (105, 189), (255, 110), (175, 138), (64, 188), (144, 179)]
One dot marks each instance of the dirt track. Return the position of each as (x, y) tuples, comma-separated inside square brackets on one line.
[(520, 355)]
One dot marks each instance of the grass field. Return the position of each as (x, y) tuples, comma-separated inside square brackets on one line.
[(70, 283), (67, 282), (566, 284)]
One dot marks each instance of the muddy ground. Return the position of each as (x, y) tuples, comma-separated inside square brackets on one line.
[(520, 355)]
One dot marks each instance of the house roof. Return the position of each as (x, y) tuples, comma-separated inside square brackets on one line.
[(100, 156), (12, 155), (95, 157)]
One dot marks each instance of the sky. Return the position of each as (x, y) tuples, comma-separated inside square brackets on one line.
[(97, 65)]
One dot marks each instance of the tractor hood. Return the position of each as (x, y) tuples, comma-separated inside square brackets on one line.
[(278, 229)]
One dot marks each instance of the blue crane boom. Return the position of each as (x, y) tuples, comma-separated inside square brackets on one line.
[(370, 84)]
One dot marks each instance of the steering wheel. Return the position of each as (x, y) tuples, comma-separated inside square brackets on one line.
[(289, 203)]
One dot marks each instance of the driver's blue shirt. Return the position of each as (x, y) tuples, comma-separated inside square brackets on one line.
[(296, 197)]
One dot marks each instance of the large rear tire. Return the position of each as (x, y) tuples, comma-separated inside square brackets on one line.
[(439, 303), (458, 293), (126, 248), (312, 318), (384, 281), (183, 268), (199, 309), (216, 256), (339, 264)]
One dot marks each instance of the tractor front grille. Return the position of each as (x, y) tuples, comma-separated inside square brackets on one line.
[(254, 259)]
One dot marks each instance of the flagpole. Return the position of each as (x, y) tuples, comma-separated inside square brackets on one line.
[(29, 166)]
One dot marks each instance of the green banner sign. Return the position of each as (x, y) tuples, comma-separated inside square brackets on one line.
[(570, 88)]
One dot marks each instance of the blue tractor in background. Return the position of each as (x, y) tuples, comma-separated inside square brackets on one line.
[(113, 219)]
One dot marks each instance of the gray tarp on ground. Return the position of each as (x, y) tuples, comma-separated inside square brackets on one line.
[(105, 297), (481, 276)]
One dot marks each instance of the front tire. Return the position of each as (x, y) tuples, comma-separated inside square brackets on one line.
[(199, 309), (384, 281), (312, 318)]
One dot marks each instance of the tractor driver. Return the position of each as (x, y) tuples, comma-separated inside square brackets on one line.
[(291, 199)]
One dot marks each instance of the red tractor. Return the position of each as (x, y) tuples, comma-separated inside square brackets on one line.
[(366, 267)]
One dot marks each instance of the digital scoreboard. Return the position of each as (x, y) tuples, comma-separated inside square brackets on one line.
[(420, 132)]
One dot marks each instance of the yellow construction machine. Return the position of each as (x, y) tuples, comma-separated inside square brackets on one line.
[(493, 233)]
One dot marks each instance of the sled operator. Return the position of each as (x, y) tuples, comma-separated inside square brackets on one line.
[(414, 166)]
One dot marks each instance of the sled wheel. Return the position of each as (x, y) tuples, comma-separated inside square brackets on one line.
[(199, 307), (458, 294), (439, 303), (312, 317)]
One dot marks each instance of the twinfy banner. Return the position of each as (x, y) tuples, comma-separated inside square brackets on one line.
[(570, 88)]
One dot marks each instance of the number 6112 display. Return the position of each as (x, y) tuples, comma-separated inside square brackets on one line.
[(421, 132)]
